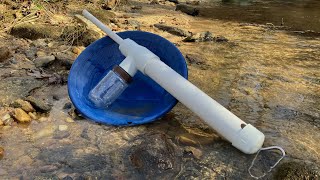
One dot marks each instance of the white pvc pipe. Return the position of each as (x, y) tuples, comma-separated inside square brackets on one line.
[(103, 27), (243, 136)]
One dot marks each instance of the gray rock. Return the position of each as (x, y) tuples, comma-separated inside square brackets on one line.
[(4, 53), (31, 53), (220, 39), (68, 105), (172, 30), (187, 9), (200, 37), (64, 59), (39, 104), (133, 23), (13, 88), (39, 43), (61, 134), (43, 61)]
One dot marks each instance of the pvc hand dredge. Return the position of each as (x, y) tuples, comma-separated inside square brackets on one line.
[(243, 136)]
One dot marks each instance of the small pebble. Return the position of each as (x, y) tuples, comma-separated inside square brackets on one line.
[(1, 152), (69, 120), (5, 117), (197, 153), (42, 119), (33, 115), (68, 105), (21, 115), (6, 127), (63, 127)]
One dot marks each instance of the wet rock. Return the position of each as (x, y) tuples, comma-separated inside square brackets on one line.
[(156, 156), (25, 105), (68, 105), (43, 61), (5, 117), (48, 168), (39, 104), (197, 153), (12, 88), (6, 120), (297, 170), (4, 54), (39, 43), (33, 115), (172, 30), (61, 134), (187, 9), (21, 115), (63, 127), (1, 152), (69, 120), (200, 37), (45, 132), (56, 97), (220, 39)]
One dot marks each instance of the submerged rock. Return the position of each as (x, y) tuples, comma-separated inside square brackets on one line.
[(187, 9), (172, 30), (39, 104), (25, 105), (157, 156), (4, 53), (21, 115)]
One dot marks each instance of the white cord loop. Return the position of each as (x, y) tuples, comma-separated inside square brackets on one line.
[(262, 149)]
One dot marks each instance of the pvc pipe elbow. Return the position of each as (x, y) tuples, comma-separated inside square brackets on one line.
[(138, 56)]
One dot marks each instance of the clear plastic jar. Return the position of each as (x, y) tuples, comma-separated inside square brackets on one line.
[(109, 88)]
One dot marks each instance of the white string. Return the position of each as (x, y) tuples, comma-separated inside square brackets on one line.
[(262, 149)]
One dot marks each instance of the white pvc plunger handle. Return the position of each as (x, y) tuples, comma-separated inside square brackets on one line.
[(103, 27), (243, 136)]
